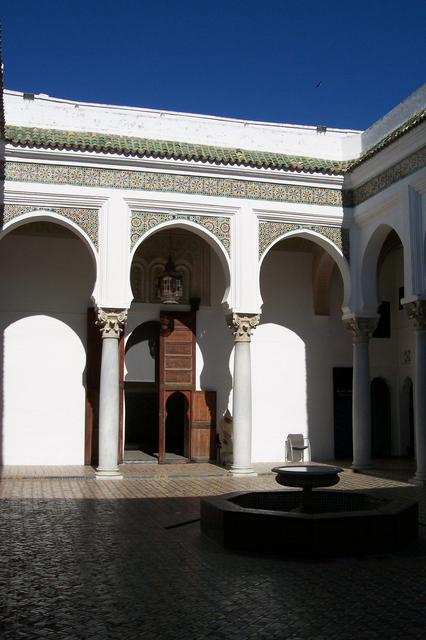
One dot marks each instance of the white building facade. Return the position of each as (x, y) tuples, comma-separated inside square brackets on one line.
[(302, 256)]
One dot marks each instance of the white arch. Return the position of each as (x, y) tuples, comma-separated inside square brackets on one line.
[(43, 215), (203, 233), (369, 264), (329, 247)]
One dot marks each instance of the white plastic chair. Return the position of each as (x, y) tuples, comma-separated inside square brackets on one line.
[(297, 448)]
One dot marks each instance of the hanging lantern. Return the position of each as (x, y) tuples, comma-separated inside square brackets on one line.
[(170, 285)]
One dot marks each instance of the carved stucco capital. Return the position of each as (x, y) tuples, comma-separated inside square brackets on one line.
[(416, 311), (242, 325), (111, 322), (360, 328)]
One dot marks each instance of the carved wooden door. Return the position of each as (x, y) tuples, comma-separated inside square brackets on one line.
[(177, 381)]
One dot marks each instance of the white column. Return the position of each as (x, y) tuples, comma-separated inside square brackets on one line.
[(416, 311), (242, 327), (361, 330), (111, 322)]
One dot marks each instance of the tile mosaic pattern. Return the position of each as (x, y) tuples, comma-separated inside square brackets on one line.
[(270, 231), (86, 219), (383, 180), (142, 222), (165, 182), (143, 147)]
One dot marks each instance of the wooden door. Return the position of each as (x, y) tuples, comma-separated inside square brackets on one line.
[(176, 365), (203, 426)]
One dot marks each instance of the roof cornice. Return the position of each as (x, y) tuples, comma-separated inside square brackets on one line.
[(145, 148)]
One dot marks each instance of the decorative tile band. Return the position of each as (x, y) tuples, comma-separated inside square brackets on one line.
[(270, 231), (150, 181), (142, 222), (86, 219), (383, 180)]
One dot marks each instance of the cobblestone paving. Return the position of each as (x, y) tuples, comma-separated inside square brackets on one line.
[(82, 558)]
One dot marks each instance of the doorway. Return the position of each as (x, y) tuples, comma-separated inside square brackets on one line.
[(380, 418), (141, 393), (177, 427), (342, 401)]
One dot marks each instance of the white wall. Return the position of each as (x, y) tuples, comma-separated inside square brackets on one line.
[(293, 352), (45, 285)]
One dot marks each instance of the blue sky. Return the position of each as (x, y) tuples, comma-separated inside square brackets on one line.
[(341, 64)]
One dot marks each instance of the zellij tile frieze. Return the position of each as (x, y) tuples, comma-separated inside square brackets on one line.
[(86, 219), (382, 181), (166, 182), (142, 222), (270, 231)]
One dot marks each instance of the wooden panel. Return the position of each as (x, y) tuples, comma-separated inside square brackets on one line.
[(182, 377), (178, 348), (178, 362), (179, 336), (204, 407), (203, 426), (203, 444)]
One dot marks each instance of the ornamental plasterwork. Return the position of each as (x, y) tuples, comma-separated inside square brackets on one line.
[(270, 231), (111, 322), (142, 222), (242, 326), (360, 328), (416, 312), (86, 219), (166, 182)]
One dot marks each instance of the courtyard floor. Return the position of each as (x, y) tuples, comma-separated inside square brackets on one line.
[(87, 559)]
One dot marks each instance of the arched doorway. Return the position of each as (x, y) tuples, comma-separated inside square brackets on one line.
[(380, 418), (391, 344), (177, 426), (193, 349), (46, 282), (299, 340)]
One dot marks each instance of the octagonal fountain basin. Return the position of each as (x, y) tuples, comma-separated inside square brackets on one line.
[(309, 523)]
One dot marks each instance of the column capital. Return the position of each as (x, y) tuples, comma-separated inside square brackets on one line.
[(416, 311), (361, 328), (111, 322), (242, 325)]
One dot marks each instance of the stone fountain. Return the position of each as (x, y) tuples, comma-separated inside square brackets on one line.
[(309, 522)]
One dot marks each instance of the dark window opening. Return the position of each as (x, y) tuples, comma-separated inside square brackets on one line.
[(383, 329)]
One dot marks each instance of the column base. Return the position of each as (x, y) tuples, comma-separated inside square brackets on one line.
[(419, 480), (359, 468), (242, 471), (108, 474)]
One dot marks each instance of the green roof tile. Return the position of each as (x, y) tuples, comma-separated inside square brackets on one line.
[(143, 147)]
